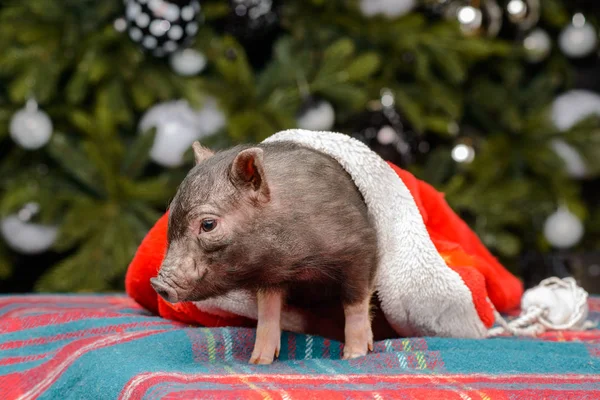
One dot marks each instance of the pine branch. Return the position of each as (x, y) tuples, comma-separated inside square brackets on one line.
[(75, 163), (138, 155), (102, 256)]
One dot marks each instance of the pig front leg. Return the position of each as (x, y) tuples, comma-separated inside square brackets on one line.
[(357, 332), (268, 330)]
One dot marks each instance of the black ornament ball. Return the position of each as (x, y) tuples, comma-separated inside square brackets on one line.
[(252, 19), (160, 26)]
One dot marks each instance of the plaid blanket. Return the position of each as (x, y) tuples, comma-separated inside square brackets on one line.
[(107, 347)]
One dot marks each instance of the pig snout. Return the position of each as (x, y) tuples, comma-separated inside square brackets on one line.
[(179, 279), (164, 290)]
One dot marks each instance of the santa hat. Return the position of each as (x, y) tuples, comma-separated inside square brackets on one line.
[(435, 277)]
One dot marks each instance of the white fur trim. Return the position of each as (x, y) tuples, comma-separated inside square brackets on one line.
[(419, 294)]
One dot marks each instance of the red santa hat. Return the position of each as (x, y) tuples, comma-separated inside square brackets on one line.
[(435, 278)]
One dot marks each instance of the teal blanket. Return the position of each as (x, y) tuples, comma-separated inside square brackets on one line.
[(107, 347)]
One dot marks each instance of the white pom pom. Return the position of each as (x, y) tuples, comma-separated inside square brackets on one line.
[(558, 303), (565, 302), (555, 304)]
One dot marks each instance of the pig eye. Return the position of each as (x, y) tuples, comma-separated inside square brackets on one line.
[(208, 225)]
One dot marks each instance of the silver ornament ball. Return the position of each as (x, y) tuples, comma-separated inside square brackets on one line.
[(187, 62), (516, 10), (537, 45), (486, 19), (178, 125), (573, 106), (387, 8), (24, 236), (30, 127), (575, 165), (210, 117), (563, 229), (120, 24), (321, 117), (470, 19), (524, 13), (579, 38), (387, 135)]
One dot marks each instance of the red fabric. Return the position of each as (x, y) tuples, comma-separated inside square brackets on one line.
[(145, 265), (463, 251), (458, 245)]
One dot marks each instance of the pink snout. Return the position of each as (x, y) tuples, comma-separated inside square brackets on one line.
[(164, 290)]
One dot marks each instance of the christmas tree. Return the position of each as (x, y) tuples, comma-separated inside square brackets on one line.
[(493, 102)]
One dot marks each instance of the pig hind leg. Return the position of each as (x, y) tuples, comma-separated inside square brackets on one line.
[(358, 335)]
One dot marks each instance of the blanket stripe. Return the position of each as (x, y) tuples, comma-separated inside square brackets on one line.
[(107, 347)]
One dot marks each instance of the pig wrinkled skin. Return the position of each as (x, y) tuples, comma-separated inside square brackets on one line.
[(279, 219)]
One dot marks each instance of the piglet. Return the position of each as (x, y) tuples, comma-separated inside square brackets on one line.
[(279, 219)]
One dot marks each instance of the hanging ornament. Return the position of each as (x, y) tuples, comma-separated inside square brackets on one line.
[(25, 236), (573, 106), (252, 19), (485, 19), (463, 153), (210, 117), (524, 13), (187, 62), (387, 8), (120, 24), (579, 38), (563, 229), (177, 127), (575, 164), (316, 115), (387, 133), (30, 127), (160, 26), (537, 45), (568, 109)]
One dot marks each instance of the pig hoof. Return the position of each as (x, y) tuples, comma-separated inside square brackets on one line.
[(359, 348), (267, 346), (358, 338), (350, 353), (260, 360), (262, 357)]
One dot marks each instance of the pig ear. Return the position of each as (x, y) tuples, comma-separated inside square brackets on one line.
[(247, 171), (201, 153)]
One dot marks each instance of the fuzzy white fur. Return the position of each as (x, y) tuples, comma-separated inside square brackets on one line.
[(419, 294)]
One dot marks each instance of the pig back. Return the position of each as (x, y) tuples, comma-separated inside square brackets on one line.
[(323, 220), (306, 182)]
